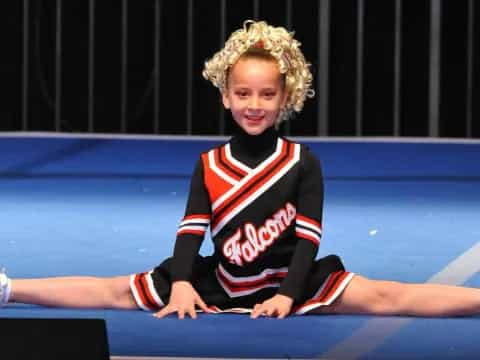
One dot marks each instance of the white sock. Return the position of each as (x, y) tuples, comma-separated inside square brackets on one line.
[(7, 292)]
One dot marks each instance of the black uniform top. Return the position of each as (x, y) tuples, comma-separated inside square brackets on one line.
[(262, 197)]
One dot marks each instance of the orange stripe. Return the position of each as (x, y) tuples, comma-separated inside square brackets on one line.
[(216, 156), (227, 207), (330, 285), (196, 216), (231, 164), (215, 184), (193, 232), (336, 279), (338, 282), (308, 237), (274, 163), (153, 304), (232, 168), (138, 286), (251, 285), (331, 281), (309, 220), (278, 275)]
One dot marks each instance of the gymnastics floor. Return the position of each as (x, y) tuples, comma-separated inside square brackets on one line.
[(399, 210)]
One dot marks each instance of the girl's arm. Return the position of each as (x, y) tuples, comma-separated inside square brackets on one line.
[(191, 231), (190, 235), (308, 227)]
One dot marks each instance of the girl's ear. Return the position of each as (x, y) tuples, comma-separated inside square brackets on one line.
[(225, 99)]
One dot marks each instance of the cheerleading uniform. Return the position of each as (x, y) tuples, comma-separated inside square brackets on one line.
[(262, 198)]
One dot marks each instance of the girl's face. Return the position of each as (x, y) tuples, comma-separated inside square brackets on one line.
[(255, 94)]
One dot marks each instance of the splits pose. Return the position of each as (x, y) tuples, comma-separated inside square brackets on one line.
[(262, 197)]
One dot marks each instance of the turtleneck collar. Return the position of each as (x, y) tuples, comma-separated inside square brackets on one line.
[(252, 149)]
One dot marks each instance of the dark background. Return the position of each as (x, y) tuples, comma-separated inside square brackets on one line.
[(377, 72)]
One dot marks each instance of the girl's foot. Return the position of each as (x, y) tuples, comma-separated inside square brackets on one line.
[(5, 287)]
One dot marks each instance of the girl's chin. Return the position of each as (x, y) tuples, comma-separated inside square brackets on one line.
[(254, 130), (254, 126)]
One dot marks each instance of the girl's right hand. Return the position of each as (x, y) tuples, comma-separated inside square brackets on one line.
[(183, 298)]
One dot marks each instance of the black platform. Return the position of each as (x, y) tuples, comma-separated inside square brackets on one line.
[(39, 339)]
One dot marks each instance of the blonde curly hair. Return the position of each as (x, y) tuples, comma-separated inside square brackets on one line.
[(281, 46)]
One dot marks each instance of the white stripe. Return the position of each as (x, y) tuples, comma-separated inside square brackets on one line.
[(136, 296), (243, 292), (213, 166), (339, 290), (252, 174), (262, 275), (192, 227), (195, 221), (308, 233), (153, 292), (319, 291), (309, 225), (259, 191), (240, 165), (374, 332)]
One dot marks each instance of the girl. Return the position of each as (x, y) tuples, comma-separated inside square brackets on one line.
[(262, 196)]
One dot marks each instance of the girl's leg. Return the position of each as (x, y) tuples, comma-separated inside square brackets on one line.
[(365, 296), (77, 292)]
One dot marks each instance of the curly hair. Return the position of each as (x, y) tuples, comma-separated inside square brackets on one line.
[(282, 47)]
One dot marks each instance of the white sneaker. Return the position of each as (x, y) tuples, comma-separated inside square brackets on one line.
[(5, 287)]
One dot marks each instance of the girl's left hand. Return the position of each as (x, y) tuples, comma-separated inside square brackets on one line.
[(278, 305)]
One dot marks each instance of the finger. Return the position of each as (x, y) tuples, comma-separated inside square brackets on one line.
[(181, 314), (270, 311), (191, 311), (282, 314), (258, 310), (201, 304), (164, 312)]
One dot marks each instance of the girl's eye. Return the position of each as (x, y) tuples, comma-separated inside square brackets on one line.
[(269, 95), (242, 93)]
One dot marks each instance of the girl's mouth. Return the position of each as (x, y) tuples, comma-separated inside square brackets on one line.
[(254, 118)]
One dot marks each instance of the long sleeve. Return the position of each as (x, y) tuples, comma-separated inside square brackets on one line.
[(192, 228), (308, 227)]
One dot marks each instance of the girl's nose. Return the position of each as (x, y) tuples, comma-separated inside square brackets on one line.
[(253, 103)]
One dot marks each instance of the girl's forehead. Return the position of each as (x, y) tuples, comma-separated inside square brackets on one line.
[(247, 61), (255, 67)]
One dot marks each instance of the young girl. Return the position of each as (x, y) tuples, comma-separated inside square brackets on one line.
[(262, 196)]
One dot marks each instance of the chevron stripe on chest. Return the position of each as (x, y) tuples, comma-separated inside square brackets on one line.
[(246, 184)]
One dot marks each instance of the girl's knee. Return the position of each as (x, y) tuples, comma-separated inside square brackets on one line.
[(387, 297), (119, 293), (372, 296)]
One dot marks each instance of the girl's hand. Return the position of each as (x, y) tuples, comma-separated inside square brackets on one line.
[(278, 305), (183, 298)]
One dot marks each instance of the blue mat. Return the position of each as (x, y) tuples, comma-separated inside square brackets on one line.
[(399, 211)]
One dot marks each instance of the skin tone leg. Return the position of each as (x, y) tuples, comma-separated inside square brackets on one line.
[(365, 296), (75, 292)]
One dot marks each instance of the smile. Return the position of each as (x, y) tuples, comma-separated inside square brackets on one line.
[(254, 118)]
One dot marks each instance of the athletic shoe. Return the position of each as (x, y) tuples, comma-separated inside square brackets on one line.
[(5, 286)]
